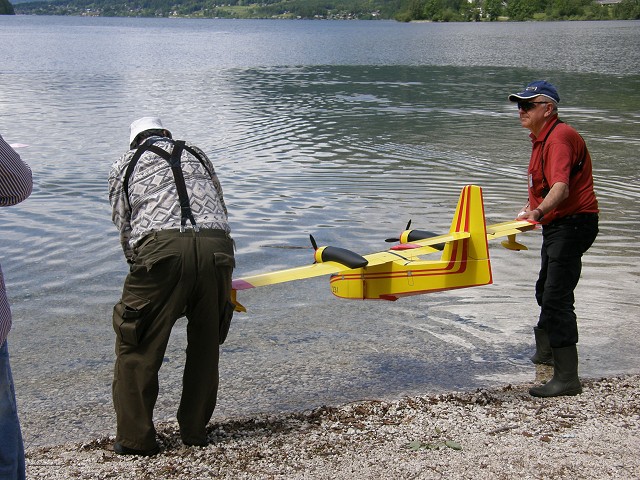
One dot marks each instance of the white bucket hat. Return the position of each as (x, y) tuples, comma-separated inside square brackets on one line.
[(142, 125)]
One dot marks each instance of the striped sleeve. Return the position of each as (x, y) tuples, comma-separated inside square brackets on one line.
[(16, 180)]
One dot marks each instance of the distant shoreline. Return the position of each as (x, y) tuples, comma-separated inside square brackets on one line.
[(199, 17)]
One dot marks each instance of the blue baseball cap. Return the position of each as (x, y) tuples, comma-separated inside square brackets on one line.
[(539, 87)]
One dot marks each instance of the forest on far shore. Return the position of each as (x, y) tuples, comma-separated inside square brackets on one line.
[(401, 10)]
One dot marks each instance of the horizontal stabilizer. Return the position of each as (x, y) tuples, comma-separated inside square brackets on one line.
[(512, 227), (510, 230)]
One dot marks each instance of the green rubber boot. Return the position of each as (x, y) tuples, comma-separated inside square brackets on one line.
[(543, 355), (565, 379)]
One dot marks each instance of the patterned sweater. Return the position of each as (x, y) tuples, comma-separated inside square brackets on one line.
[(153, 202)]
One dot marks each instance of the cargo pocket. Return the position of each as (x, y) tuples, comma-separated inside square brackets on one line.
[(224, 265), (224, 261), (129, 319), (225, 321)]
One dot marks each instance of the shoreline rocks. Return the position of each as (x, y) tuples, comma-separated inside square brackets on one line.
[(493, 433)]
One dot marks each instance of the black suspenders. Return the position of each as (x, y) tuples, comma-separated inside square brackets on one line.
[(173, 159), (574, 170)]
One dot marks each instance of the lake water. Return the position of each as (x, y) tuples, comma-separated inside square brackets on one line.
[(345, 130)]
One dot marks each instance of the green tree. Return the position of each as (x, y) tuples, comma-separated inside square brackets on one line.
[(6, 8), (433, 8), (417, 9), (520, 10), (493, 9), (567, 8), (627, 10)]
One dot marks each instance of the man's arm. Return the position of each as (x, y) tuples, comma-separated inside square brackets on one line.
[(120, 209), (558, 193)]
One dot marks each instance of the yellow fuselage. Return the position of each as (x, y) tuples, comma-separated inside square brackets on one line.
[(403, 278)]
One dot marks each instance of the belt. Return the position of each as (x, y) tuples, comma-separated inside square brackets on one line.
[(575, 217), (189, 232)]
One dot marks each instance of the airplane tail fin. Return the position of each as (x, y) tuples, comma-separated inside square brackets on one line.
[(471, 254)]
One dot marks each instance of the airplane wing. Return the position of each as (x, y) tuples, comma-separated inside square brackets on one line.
[(287, 275)]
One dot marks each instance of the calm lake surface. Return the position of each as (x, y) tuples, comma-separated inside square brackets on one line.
[(345, 130)]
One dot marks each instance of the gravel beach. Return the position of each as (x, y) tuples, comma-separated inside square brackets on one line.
[(485, 434)]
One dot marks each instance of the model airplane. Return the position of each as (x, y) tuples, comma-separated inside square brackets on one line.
[(399, 271)]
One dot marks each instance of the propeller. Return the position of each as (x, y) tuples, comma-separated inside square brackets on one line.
[(392, 240)]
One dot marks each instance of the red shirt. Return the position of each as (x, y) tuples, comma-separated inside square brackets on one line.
[(563, 151)]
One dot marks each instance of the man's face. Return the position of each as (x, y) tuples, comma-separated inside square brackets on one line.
[(534, 113)]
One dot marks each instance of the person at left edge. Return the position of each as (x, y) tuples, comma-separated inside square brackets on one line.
[(168, 205), (16, 183)]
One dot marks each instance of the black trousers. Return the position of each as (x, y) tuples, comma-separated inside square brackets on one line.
[(564, 241), (175, 274)]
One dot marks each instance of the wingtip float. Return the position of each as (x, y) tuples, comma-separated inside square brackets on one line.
[(399, 271)]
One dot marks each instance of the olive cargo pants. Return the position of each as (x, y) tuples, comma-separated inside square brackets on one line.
[(174, 274)]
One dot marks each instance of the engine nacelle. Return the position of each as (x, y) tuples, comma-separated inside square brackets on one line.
[(340, 255), (409, 236)]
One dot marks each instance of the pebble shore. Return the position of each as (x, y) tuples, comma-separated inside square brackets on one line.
[(501, 433)]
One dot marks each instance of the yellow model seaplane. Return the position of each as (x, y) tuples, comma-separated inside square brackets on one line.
[(400, 271)]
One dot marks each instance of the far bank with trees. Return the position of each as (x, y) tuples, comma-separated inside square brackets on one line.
[(519, 10), (401, 10)]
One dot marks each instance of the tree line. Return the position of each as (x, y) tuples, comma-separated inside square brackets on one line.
[(518, 10), (401, 10)]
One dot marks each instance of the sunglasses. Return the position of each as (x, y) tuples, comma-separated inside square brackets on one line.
[(526, 106)]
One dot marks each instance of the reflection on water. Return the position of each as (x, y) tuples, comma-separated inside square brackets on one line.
[(347, 152)]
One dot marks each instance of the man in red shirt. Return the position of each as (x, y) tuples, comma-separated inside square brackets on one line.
[(562, 199)]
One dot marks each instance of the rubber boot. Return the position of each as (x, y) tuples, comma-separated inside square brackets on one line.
[(565, 379), (543, 355)]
